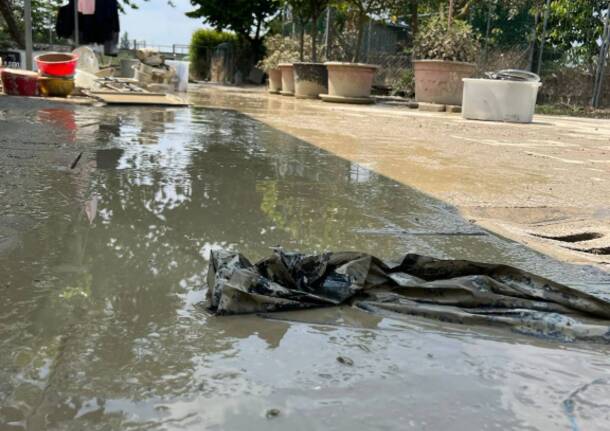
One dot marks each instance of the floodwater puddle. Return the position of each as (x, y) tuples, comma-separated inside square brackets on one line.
[(100, 322)]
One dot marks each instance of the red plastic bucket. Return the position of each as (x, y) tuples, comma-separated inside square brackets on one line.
[(19, 82), (57, 64)]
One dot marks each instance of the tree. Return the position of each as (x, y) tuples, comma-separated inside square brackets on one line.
[(301, 15), (125, 41), (316, 8), (362, 10), (577, 26), (43, 18), (246, 18), (304, 12), (10, 20)]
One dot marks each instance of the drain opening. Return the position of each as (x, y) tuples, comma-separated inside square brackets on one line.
[(600, 251), (577, 237)]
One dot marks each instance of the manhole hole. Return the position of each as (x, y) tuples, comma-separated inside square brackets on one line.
[(576, 237), (602, 251)]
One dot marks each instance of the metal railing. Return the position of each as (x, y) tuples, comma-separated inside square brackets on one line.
[(175, 50)]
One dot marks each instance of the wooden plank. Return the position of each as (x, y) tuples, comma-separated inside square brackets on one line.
[(112, 87), (125, 85), (131, 92), (139, 99)]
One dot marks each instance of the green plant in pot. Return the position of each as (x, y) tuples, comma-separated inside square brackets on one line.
[(351, 82), (310, 78), (281, 53), (445, 51)]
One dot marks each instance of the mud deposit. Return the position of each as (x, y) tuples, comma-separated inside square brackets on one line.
[(102, 268)]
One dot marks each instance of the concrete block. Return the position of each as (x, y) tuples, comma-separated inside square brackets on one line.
[(431, 107)]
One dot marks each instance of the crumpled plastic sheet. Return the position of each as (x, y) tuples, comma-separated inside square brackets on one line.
[(457, 291)]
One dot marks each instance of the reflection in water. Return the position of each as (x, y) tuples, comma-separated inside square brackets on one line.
[(62, 118), (100, 327), (109, 158)]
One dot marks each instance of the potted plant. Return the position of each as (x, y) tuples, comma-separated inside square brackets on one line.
[(445, 50), (351, 82), (281, 52), (310, 78)]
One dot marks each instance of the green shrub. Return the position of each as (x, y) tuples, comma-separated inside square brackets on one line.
[(202, 43), (205, 38), (435, 41)]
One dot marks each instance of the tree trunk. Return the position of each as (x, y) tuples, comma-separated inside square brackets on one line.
[(413, 6), (328, 35), (450, 14), (369, 35), (361, 20), (259, 22), (302, 42), (601, 63), (314, 37), (543, 37), (14, 30), (487, 34), (533, 43)]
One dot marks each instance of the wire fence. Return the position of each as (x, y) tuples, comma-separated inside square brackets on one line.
[(392, 68)]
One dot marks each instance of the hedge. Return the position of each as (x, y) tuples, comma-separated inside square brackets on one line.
[(202, 43)]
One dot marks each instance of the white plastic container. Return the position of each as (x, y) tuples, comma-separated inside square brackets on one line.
[(182, 71), (498, 100)]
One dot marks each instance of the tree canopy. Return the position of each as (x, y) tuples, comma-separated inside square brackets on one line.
[(577, 25), (247, 18), (305, 11), (11, 18)]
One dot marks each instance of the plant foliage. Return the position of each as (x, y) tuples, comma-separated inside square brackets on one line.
[(247, 18), (282, 49), (202, 42), (577, 26), (363, 10), (204, 38), (436, 41)]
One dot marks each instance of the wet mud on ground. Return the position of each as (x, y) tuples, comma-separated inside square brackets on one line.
[(102, 268), (535, 183)]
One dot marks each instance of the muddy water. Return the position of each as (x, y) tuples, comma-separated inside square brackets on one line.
[(102, 268)]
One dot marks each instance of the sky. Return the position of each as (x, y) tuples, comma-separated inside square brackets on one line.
[(158, 23)]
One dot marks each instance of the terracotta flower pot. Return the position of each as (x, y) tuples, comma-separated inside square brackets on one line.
[(439, 81), (349, 82), (275, 81), (287, 79), (310, 80)]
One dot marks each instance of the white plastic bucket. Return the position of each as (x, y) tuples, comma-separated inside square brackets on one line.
[(498, 100)]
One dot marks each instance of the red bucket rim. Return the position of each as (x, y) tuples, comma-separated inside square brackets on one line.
[(75, 57)]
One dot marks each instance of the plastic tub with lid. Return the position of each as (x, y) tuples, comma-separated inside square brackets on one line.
[(500, 99)]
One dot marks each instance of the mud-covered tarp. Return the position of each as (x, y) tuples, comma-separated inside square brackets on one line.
[(457, 291)]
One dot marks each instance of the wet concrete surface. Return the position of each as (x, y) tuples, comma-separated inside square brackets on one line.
[(529, 182), (102, 270)]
